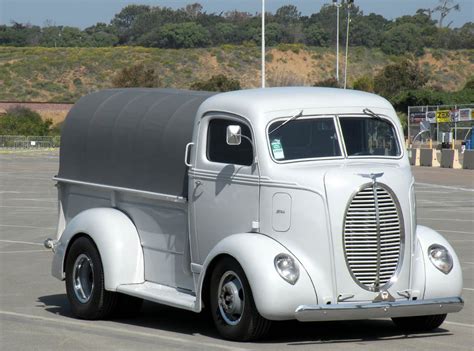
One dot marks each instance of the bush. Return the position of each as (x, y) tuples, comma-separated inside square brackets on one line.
[(364, 83), (136, 76), (328, 83), (404, 75), (219, 83), (469, 84), (429, 97), (23, 121)]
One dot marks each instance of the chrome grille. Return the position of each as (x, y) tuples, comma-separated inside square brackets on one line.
[(373, 236)]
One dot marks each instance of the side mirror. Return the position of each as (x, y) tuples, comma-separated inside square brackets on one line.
[(234, 135)]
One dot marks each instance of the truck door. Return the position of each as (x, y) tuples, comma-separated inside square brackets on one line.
[(223, 186)]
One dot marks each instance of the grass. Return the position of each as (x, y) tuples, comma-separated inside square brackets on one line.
[(66, 74)]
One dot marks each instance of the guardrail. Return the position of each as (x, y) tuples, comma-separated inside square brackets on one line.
[(29, 142)]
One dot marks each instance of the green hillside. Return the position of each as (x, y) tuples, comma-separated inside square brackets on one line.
[(65, 74)]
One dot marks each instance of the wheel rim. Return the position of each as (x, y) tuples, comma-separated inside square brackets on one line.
[(231, 298), (83, 278)]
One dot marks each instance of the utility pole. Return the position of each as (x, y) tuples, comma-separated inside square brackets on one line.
[(263, 43), (335, 2), (349, 4)]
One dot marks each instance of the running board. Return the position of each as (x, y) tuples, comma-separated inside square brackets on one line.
[(161, 294)]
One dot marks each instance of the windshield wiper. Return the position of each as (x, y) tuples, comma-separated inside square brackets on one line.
[(297, 115), (372, 113)]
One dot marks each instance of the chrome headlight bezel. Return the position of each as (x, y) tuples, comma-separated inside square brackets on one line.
[(441, 258), (287, 268)]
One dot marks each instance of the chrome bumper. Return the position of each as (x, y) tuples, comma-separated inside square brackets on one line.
[(365, 310)]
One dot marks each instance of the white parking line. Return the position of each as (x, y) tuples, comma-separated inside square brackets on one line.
[(460, 324), (468, 289), (453, 231), (115, 330), (469, 262), (24, 226), (34, 207), (20, 242), (448, 219), (23, 251), (444, 187)]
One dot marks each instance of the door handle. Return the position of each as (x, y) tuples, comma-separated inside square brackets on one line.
[(186, 152)]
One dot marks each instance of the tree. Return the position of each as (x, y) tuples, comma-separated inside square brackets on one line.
[(402, 39), (218, 82), (23, 121), (444, 8), (316, 35), (404, 75), (176, 36), (136, 76), (124, 20), (287, 14)]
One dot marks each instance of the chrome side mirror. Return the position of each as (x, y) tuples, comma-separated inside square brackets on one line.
[(234, 135)]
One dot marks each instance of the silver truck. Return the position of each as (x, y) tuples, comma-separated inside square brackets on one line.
[(259, 205)]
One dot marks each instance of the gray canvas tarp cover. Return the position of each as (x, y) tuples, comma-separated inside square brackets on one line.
[(131, 138)]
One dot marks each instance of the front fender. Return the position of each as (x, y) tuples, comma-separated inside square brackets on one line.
[(436, 283), (117, 240), (275, 299)]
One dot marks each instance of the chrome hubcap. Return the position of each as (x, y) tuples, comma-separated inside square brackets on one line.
[(231, 298), (83, 278)]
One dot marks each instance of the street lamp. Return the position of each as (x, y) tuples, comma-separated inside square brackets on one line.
[(263, 43), (349, 4), (335, 3)]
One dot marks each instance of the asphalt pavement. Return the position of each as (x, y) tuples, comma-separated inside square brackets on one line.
[(35, 314)]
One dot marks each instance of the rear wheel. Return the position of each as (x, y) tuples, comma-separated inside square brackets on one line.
[(85, 282), (232, 306), (419, 323)]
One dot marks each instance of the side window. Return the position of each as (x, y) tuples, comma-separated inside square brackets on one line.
[(219, 151)]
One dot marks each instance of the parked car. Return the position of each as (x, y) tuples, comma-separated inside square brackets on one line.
[(259, 205)]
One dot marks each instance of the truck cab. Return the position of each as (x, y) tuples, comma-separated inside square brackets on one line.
[(260, 205)]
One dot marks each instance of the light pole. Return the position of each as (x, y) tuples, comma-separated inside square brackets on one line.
[(335, 2), (263, 43), (349, 3)]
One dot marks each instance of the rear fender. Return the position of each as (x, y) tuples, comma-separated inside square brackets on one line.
[(117, 241)]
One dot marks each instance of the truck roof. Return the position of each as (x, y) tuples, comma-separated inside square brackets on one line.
[(130, 138), (253, 103)]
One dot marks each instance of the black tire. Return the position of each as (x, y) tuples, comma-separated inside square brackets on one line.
[(419, 323), (246, 323), (96, 302)]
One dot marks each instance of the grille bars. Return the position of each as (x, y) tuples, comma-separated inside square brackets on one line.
[(377, 221)]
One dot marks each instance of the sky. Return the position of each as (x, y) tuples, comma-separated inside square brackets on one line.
[(84, 13)]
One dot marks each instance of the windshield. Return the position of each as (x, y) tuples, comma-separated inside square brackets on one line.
[(304, 138), (368, 136), (309, 138)]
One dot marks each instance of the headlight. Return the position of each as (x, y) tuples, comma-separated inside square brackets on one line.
[(441, 258), (288, 269)]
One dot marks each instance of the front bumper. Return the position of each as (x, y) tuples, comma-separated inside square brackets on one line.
[(366, 310)]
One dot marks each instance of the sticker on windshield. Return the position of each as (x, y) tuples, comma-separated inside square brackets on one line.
[(277, 150)]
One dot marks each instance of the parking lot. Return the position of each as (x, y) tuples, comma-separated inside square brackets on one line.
[(35, 315)]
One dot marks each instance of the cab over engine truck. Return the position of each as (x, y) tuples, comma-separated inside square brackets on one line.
[(261, 205)]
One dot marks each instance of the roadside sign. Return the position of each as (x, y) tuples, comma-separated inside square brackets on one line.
[(443, 116)]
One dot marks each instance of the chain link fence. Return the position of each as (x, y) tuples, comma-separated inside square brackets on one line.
[(441, 123), (29, 142)]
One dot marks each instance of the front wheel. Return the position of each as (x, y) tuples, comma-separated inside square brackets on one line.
[(232, 306), (85, 282), (419, 323)]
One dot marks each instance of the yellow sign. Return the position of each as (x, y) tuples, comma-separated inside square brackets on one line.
[(442, 116)]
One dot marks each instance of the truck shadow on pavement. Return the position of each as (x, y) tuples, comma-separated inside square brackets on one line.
[(160, 317)]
